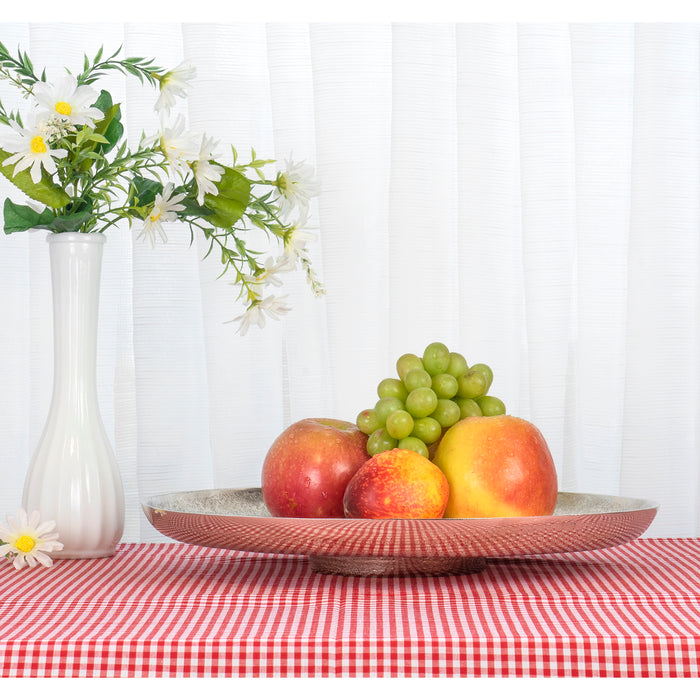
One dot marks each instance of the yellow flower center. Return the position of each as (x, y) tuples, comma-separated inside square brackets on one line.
[(155, 215), (37, 145), (25, 543), (283, 183), (63, 108)]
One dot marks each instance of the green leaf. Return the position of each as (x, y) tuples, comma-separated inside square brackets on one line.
[(231, 201), (21, 218), (108, 128), (194, 210), (43, 191), (110, 125), (144, 191), (97, 138), (70, 222), (80, 136)]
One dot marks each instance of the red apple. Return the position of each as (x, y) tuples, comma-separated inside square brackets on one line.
[(497, 466), (396, 484), (309, 465)]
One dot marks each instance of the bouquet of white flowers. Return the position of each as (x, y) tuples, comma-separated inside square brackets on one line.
[(70, 157)]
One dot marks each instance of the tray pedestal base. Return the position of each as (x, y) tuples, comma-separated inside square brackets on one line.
[(396, 566)]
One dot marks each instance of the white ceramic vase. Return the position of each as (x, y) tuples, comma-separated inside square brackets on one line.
[(73, 477)]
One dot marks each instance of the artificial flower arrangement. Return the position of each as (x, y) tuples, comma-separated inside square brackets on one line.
[(70, 157)]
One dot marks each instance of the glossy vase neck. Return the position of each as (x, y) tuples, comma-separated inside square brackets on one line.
[(75, 271)]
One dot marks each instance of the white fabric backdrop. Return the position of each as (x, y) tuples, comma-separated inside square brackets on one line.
[(528, 194)]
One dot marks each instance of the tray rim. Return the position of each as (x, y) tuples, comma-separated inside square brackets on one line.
[(469, 542), (637, 505)]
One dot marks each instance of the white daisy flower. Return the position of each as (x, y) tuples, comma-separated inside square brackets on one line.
[(164, 209), (31, 150), (297, 185), (174, 83), (28, 541), (269, 276), (179, 146), (296, 239), (273, 306), (68, 101), (206, 173)]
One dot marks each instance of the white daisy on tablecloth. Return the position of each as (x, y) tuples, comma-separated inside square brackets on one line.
[(28, 541), (68, 101)]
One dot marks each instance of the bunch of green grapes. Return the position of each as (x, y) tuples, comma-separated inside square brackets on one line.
[(431, 393)]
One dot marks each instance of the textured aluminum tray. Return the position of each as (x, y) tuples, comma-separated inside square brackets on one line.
[(238, 519)]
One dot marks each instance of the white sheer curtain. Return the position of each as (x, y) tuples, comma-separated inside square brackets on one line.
[(528, 194)]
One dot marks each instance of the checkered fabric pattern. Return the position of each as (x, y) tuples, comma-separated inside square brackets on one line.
[(169, 610)]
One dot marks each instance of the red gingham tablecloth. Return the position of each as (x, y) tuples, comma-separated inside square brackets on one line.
[(181, 610)]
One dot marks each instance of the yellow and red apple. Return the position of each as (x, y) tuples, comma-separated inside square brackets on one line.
[(497, 466), (309, 465), (397, 483)]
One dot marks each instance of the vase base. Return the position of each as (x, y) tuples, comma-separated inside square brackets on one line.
[(84, 554)]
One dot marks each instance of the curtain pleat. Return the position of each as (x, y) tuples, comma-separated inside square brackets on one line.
[(528, 194), (660, 410)]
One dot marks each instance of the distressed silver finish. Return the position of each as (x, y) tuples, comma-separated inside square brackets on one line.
[(238, 519)]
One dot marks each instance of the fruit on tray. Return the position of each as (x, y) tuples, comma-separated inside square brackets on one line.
[(497, 466), (396, 484), (309, 465), (435, 444), (431, 393)]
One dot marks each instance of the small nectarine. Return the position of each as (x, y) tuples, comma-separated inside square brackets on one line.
[(396, 484)]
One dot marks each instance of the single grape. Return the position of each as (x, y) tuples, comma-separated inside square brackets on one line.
[(415, 445), (488, 373), (399, 424), (417, 378), (406, 363), (392, 388), (436, 358), (427, 429), (457, 365), (491, 406), (380, 441), (447, 413), (367, 421), (468, 407), (444, 385), (421, 402), (472, 384), (385, 406)]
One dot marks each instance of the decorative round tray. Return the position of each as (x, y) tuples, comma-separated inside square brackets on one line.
[(238, 519)]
